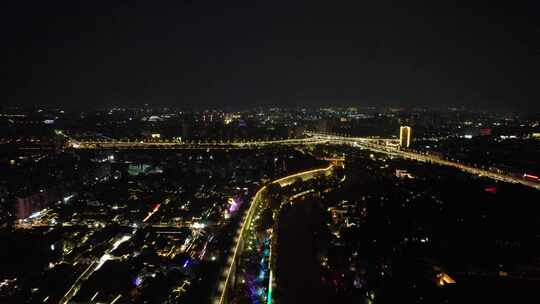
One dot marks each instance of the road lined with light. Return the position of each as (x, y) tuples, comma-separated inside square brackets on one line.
[(223, 285), (390, 147), (382, 145), (93, 267)]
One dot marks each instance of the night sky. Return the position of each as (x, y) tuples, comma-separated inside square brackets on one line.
[(294, 53)]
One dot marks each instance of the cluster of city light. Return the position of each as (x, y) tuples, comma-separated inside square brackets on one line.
[(233, 205), (38, 214), (67, 198), (444, 279), (198, 225)]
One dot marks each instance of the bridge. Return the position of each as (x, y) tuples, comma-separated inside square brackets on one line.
[(381, 145), (115, 144), (391, 147), (312, 138)]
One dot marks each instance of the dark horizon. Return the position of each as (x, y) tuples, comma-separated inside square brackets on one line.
[(198, 54), (264, 107)]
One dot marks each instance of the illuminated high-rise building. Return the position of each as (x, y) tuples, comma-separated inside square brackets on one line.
[(405, 133)]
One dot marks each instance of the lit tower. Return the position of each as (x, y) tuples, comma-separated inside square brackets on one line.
[(405, 133)]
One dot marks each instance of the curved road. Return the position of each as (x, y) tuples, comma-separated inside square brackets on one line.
[(230, 268)]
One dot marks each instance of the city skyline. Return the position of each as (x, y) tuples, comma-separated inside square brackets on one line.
[(270, 205), (270, 152)]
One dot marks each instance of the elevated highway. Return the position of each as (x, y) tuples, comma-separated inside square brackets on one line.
[(115, 144), (310, 140), (381, 145), (391, 147)]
